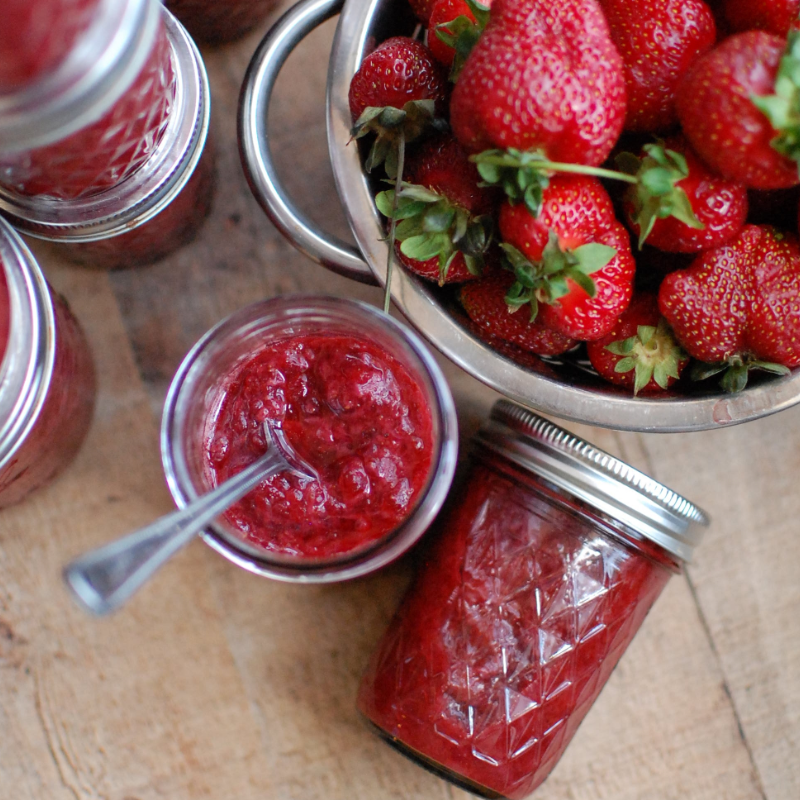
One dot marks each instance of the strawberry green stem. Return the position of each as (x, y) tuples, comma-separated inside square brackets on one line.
[(401, 158), (557, 166)]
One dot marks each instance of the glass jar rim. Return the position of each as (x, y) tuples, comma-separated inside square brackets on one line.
[(606, 483), (100, 68), (152, 187), (386, 549), (26, 366)]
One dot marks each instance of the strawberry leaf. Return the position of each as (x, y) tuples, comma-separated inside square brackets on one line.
[(656, 194), (517, 172), (589, 258), (782, 108)]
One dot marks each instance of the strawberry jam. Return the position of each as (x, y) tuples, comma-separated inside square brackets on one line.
[(4, 313), (522, 608), (36, 37), (350, 410)]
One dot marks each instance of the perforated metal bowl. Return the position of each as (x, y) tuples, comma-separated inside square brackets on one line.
[(565, 387)]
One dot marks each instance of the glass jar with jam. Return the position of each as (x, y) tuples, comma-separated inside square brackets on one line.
[(359, 398), (133, 213), (47, 381), (218, 23), (545, 566)]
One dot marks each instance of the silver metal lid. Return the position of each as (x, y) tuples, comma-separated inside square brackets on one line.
[(98, 71), (150, 189), (578, 468)]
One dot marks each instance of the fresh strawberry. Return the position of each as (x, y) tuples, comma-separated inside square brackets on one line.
[(737, 307), (396, 93), (773, 16), (658, 41), (723, 104), (679, 204), (422, 9), (455, 26), (543, 75), (444, 216), (640, 353), (485, 304), (573, 261)]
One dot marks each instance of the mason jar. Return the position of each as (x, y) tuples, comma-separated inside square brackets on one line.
[(545, 566), (47, 380), (359, 397), (152, 210)]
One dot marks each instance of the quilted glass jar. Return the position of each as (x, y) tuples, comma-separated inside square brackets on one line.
[(95, 120), (152, 210), (544, 569), (47, 381)]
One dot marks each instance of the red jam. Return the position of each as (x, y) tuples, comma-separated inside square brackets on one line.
[(5, 311), (513, 625), (355, 414), (35, 37), (65, 415), (103, 154), (213, 22)]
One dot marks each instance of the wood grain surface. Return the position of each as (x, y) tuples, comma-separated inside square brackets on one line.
[(213, 683)]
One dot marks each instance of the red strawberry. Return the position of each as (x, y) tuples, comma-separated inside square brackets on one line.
[(543, 75), (444, 217), (658, 41), (640, 353), (485, 304), (679, 204), (573, 261), (454, 27), (716, 105), (422, 9), (773, 16), (397, 90), (737, 307)]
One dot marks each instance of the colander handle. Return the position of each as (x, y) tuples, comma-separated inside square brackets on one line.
[(254, 144)]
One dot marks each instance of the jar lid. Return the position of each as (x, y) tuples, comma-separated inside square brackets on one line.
[(98, 71), (578, 468), (151, 188)]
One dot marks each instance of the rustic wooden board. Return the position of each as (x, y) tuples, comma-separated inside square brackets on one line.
[(215, 683)]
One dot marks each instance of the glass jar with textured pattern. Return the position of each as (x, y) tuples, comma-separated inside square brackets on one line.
[(152, 210), (95, 120), (543, 571), (47, 383)]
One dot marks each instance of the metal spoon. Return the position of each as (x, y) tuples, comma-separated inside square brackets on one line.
[(105, 578)]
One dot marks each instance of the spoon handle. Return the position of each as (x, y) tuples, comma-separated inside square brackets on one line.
[(103, 579)]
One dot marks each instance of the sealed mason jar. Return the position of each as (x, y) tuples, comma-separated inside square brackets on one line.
[(217, 23), (546, 564), (155, 209), (357, 395), (95, 120), (47, 381)]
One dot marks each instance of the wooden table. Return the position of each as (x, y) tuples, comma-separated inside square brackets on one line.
[(214, 683)]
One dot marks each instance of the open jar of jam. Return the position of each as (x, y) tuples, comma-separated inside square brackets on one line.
[(47, 382), (545, 566), (218, 23), (146, 212), (359, 398)]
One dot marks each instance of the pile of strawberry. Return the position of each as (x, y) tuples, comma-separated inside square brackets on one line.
[(564, 127)]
